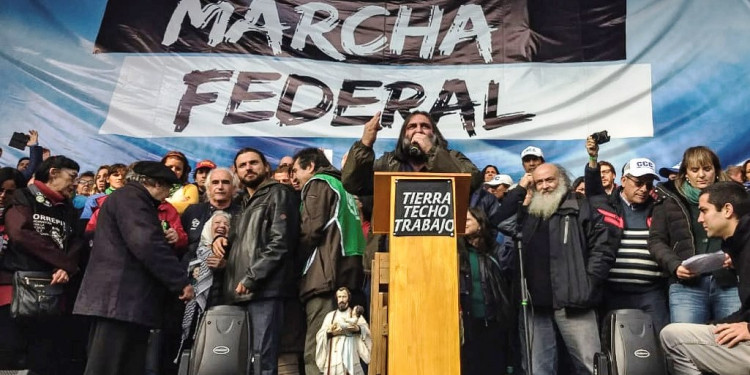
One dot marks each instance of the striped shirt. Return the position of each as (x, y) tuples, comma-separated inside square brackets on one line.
[(635, 266)]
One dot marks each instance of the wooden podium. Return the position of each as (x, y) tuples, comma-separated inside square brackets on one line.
[(414, 307)]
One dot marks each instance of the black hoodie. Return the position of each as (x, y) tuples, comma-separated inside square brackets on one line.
[(738, 248)]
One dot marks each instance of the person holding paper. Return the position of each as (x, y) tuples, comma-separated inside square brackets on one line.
[(722, 348), (675, 235)]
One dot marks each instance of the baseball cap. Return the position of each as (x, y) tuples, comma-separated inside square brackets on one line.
[(156, 170), (665, 172), (531, 150), (205, 164), (500, 179), (640, 167)]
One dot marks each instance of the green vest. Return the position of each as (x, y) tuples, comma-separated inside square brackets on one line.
[(345, 217)]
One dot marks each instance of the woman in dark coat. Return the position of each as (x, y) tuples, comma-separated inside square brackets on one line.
[(40, 222), (485, 299), (676, 235)]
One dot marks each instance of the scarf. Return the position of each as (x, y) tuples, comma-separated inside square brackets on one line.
[(202, 286), (691, 193)]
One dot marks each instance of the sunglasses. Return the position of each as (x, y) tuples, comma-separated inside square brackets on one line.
[(640, 183)]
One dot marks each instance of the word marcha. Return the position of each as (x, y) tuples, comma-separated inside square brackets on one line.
[(317, 20)]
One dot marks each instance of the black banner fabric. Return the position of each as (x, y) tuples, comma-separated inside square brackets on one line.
[(423, 208), (367, 32)]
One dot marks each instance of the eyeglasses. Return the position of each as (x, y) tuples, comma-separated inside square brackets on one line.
[(85, 182), (640, 183)]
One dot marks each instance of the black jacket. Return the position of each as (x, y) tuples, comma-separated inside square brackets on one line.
[(488, 203), (581, 251), (43, 236), (670, 238), (738, 248), (496, 286), (132, 268), (263, 242), (594, 188)]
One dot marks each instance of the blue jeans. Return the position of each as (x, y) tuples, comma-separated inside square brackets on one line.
[(580, 335), (702, 302), (266, 318)]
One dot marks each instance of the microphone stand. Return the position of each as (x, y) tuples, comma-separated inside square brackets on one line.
[(524, 307)]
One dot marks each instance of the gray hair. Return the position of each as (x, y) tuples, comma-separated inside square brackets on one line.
[(235, 179), (564, 176)]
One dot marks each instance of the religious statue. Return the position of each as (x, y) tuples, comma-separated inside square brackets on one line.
[(343, 339)]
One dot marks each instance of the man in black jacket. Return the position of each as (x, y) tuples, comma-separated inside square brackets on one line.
[(261, 248), (723, 348), (572, 253), (637, 281)]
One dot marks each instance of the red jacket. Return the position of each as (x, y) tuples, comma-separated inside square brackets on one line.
[(167, 213)]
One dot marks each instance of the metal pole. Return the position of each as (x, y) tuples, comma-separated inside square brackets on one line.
[(525, 308)]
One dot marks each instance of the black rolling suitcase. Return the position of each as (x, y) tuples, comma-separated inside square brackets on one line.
[(630, 345), (221, 343)]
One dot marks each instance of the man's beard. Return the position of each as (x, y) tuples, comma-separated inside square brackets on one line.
[(544, 205), (343, 306), (254, 183)]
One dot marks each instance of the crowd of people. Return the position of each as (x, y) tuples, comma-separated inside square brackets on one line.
[(142, 253)]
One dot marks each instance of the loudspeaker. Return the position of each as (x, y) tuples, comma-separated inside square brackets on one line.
[(630, 345), (221, 342)]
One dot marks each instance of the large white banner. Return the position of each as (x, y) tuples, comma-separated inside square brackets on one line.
[(197, 96)]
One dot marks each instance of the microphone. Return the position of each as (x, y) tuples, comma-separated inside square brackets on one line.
[(414, 150)]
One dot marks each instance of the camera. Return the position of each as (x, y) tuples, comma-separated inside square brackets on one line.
[(600, 137)]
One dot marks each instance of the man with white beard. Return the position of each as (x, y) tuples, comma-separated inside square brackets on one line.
[(572, 253)]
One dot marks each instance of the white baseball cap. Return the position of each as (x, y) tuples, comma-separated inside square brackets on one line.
[(640, 167), (531, 150), (500, 179)]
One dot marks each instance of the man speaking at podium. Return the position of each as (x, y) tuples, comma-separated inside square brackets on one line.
[(420, 148)]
